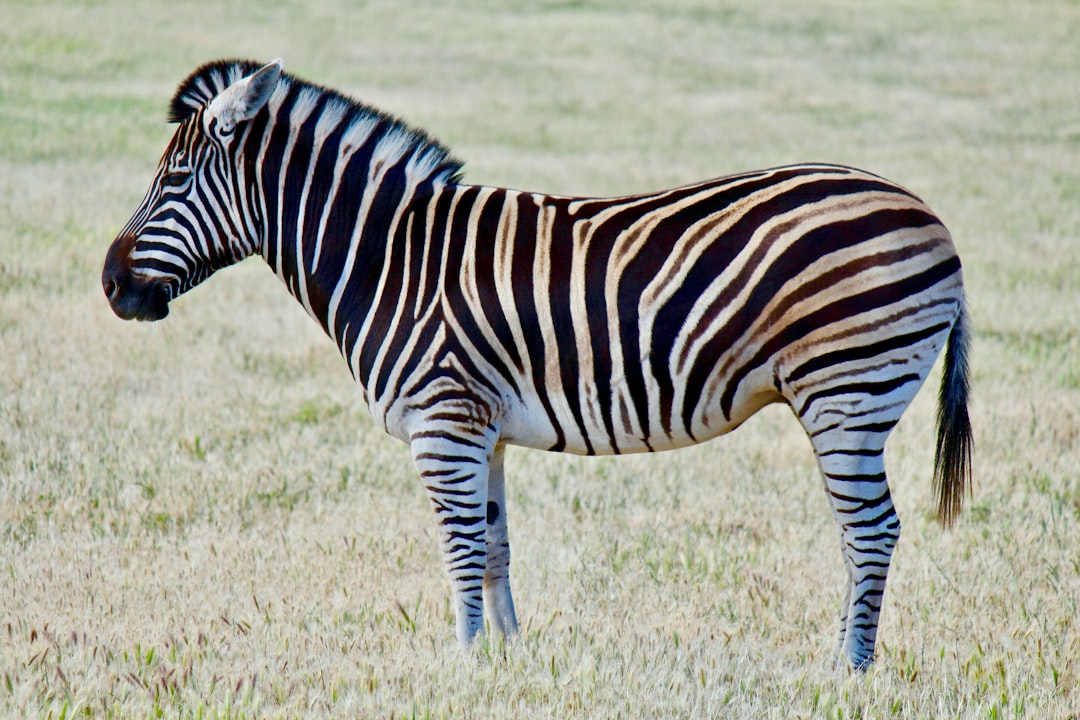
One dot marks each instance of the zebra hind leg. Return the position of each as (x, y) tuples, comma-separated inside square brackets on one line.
[(853, 466)]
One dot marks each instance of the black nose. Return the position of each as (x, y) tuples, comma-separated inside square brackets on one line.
[(130, 297), (116, 270), (120, 290)]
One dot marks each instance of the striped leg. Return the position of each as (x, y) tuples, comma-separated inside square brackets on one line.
[(853, 466), (455, 470), (497, 596), (848, 409)]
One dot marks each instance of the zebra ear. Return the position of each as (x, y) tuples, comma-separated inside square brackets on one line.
[(243, 99)]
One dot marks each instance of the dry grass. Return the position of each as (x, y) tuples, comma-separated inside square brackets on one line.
[(198, 520)]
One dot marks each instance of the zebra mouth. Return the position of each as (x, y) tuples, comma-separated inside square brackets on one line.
[(132, 299)]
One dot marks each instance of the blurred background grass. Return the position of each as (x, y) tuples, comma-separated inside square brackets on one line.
[(197, 518)]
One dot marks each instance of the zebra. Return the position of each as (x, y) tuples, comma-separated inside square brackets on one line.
[(476, 317)]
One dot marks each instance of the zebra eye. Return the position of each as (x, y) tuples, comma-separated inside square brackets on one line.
[(175, 178)]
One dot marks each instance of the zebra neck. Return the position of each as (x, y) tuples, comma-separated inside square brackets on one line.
[(329, 232)]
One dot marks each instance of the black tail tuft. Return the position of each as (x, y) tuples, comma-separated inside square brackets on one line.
[(952, 461)]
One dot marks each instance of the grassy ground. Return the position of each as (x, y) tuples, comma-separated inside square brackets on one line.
[(198, 520)]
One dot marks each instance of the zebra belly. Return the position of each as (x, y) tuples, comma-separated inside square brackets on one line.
[(553, 424)]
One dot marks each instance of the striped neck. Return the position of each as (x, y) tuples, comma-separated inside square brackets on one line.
[(329, 181)]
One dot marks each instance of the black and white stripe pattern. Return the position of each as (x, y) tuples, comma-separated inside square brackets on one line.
[(476, 317)]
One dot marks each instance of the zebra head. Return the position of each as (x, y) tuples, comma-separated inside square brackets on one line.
[(192, 220)]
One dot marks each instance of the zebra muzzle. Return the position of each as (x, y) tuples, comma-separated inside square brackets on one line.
[(130, 296)]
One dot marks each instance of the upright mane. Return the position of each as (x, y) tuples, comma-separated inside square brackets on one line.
[(206, 82)]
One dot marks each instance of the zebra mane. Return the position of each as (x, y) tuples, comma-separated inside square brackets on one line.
[(203, 85), (209, 80)]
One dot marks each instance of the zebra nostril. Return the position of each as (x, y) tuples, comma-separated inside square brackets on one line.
[(112, 288)]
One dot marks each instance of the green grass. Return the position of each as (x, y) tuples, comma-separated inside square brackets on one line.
[(199, 520)]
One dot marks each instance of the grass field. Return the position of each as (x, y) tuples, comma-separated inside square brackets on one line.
[(197, 518)]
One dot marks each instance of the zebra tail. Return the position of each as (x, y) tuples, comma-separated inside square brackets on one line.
[(952, 459)]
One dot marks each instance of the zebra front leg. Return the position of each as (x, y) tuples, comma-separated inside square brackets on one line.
[(497, 597), (869, 527), (455, 470)]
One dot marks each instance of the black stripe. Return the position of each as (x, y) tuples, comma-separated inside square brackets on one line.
[(870, 522), (296, 176), (560, 294), (876, 388), (399, 355), (601, 238), (359, 292), (862, 352), (863, 452), (379, 254), (880, 427), (857, 478), (487, 230), (270, 176), (443, 435), (522, 268), (318, 202)]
